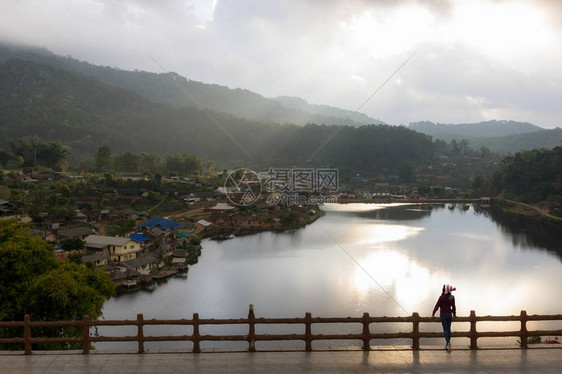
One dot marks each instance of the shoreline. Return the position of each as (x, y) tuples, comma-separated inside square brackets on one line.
[(230, 232), (224, 232)]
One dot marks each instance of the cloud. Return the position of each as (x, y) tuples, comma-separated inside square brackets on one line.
[(475, 59)]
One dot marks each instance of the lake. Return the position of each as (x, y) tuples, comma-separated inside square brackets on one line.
[(385, 259)]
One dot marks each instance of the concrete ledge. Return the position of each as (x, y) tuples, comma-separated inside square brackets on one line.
[(378, 348)]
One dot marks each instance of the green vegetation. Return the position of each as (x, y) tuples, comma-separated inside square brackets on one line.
[(34, 282), (169, 88), (82, 113), (35, 152), (98, 119), (487, 129), (499, 136), (531, 176), (534, 340), (72, 244)]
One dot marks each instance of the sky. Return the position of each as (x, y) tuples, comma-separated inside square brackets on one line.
[(443, 61)]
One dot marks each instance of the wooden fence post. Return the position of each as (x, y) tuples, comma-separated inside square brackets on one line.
[(140, 332), (85, 335), (366, 332), (251, 329), (196, 336), (415, 331), (523, 333), (27, 334), (473, 332), (308, 332)]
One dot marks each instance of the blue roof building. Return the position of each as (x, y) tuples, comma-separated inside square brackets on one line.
[(159, 223), (138, 237)]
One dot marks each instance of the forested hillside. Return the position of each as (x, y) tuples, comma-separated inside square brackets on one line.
[(514, 143), (500, 136), (531, 176), (171, 88), (486, 129), (54, 104), (327, 110)]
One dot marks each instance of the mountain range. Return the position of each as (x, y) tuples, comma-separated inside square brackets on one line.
[(174, 89), (57, 103), (501, 136), (88, 106)]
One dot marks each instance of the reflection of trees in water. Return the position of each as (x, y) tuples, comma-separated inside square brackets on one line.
[(526, 231), (398, 213)]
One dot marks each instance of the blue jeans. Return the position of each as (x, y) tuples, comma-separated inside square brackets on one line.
[(446, 320)]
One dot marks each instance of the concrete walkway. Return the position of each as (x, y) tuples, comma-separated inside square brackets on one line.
[(387, 360)]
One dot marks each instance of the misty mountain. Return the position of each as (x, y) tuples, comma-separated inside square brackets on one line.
[(500, 136), (327, 110), (486, 129), (56, 104), (544, 138), (174, 89)]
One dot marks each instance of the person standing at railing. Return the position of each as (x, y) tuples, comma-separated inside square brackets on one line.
[(447, 310)]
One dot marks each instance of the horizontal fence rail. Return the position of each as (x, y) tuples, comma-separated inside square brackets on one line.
[(251, 337)]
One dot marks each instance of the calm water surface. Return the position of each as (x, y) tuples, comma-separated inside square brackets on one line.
[(382, 259)]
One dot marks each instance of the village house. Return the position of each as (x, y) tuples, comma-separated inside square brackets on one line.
[(124, 277), (129, 192), (266, 208), (203, 225), (221, 220), (246, 220), (87, 215), (206, 195), (179, 263), (80, 232), (122, 215), (143, 265), (46, 176), (139, 238), (133, 176), (158, 223), (55, 221), (186, 225), (48, 235), (223, 191), (220, 208), (95, 260), (118, 248)]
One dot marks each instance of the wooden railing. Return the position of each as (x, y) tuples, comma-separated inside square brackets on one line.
[(251, 338)]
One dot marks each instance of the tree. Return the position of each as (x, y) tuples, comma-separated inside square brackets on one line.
[(149, 163), (127, 161), (72, 244), (183, 164), (211, 167), (5, 157), (34, 282), (103, 158), (35, 151), (406, 170), (464, 146), (454, 147), (68, 291)]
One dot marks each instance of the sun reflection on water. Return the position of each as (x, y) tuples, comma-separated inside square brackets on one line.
[(382, 233), (403, 277)]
